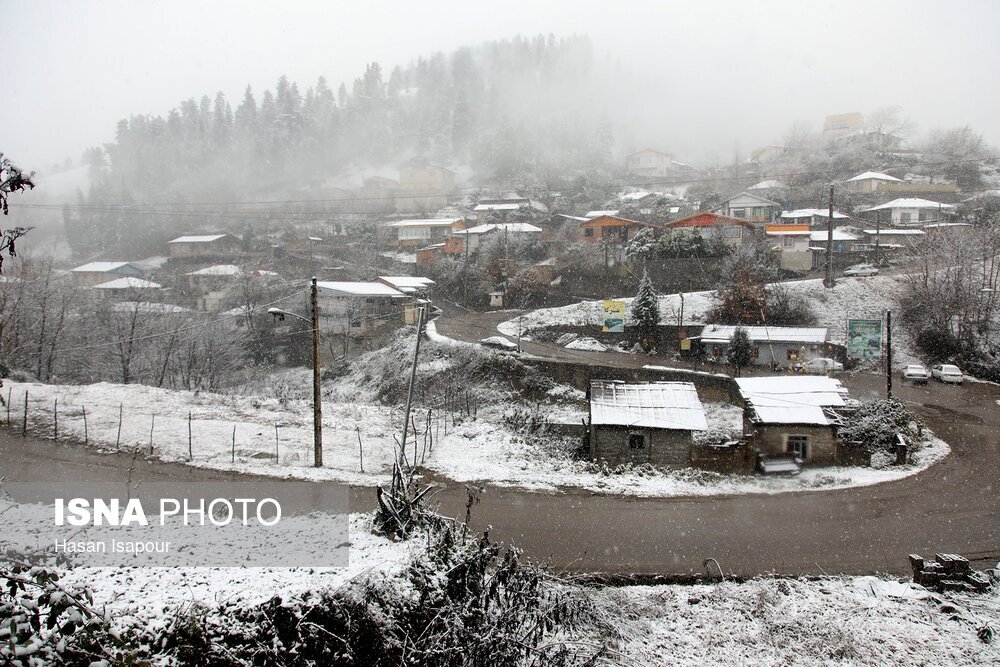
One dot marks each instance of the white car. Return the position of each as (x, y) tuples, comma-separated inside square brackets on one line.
[(947, 373), (499, 343), (861, 270), (822, 365), (916, 373)]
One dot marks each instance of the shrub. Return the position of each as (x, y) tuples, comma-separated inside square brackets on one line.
[(938, 344), (875, 424)]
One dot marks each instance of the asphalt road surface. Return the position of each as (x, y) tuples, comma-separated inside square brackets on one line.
[(952, 507)]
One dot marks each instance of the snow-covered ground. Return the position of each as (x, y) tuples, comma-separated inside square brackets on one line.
[(851, 298), (842, 621), (485, 450)]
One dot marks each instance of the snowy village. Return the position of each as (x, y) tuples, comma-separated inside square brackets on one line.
[(506, 345)]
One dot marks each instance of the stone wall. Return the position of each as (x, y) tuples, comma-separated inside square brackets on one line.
[(771, 439), (667, 448)]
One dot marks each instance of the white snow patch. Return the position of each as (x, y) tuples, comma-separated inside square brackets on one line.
[(587, 344)]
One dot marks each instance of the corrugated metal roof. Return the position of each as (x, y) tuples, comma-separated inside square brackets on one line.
[(217, 270), (360, 289), (792, 400), (666, 405), (207, 238), (912, 202), (128, 283), (99, 267), (406, 281), (430, 222), (723, 333)]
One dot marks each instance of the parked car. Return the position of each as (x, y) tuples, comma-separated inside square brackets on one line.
[(861, 270), (821, 365), (916, 373), (499, 343), (947, 373)]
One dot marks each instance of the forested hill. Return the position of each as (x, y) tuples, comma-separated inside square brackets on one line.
[(506, 109)]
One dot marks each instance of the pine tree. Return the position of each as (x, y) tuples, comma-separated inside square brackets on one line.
[(645, 313), (740, 352)]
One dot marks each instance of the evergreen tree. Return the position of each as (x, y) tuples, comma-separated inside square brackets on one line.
[(740, 352), (645, 313)]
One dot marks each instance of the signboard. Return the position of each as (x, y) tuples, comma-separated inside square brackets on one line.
[(864, 339), (614, 316)]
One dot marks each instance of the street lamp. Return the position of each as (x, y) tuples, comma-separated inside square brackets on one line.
[(317, 402)]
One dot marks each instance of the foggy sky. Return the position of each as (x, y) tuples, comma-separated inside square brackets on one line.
[(716, 75)]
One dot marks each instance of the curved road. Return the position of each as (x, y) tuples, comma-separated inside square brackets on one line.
[(952, 507)]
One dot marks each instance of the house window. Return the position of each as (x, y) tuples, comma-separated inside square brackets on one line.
[(589, 231), (732, 231), (798, 445), (755, 353), (739, 213), (904, 217), (757, 211), (787, 242), (636, 440)]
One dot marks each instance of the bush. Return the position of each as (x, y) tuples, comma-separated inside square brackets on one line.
[(875, 424), (938, 344)]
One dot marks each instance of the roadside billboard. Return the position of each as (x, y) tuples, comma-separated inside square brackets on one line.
[(614, 316), (864, 339)]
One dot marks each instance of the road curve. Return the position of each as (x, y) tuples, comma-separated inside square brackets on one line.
[(951, 507)]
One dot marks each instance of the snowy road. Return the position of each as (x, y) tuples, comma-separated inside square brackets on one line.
[(951, 507)]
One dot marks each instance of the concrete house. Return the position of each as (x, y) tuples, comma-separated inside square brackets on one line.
[(206, 246), (128, 287), (913, 211), (424, 186), (650, 163), (644, 423), (751, 207), (795, 416), (95, 273), (412, 285), (792, 242), (420, 233), (776, 347), (359, 308), (732, 231), (475, 236), (506, 206), (841, 124)]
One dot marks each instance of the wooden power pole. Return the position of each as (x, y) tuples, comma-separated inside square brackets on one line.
[(409, 392), (317, 391), (888, 354), (828, 281)]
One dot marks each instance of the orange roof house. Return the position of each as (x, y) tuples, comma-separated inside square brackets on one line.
[(731, 230), (611, 229)]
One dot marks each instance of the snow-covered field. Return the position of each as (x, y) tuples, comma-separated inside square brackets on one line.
[(851, 298), (842, 621), (483, 450)]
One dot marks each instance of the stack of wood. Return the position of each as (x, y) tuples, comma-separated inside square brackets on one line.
[(948, 572)]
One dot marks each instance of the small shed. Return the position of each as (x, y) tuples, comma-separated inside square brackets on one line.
[(95, 273), (644, 422), (794, 415), (203, 246)]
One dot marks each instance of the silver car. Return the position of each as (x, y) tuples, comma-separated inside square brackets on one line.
[(861, 270)]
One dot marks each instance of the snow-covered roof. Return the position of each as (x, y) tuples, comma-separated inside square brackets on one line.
[(947, 225), (128, 283), (217, 270), (792, 400), (597, 214), (895, 232), (911, 202), (874, 175), (770, 184), (497, 207), (147, 307), (512, 227), (415, 282), (635, 196), (667, 405), (430, 222), (99, 267), (838, 235), (812, 212), (723, 333), (360, 289), (206, 238)]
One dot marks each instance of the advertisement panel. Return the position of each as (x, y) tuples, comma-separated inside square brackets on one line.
[(864, 339), (614, 316)]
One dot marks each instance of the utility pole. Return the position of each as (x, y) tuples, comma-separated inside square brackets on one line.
[(878, 232), (828, 281), (317, 393), (888, 354), (409, 392)]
